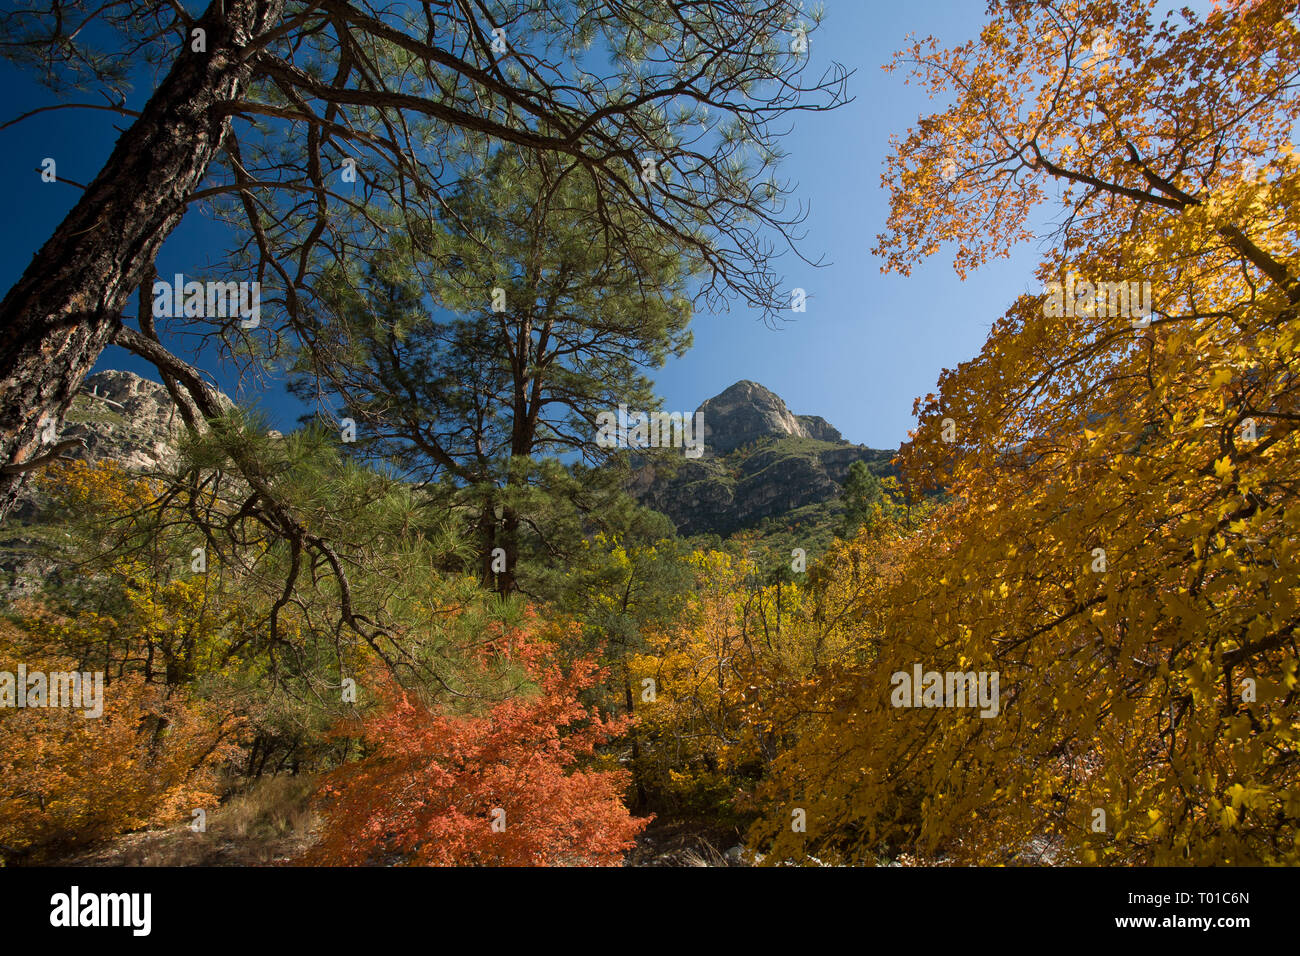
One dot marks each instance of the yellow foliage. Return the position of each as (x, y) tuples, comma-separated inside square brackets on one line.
[(68, 779), (1122, 544)]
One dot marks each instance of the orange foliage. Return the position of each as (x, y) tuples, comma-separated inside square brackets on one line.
[(67, 779), (432, 786)]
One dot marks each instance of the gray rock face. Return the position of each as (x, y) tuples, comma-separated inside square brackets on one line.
[(815, 426), (747, 412), (118, 416), (121, 416)]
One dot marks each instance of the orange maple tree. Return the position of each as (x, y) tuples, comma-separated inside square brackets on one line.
[(503, 788)]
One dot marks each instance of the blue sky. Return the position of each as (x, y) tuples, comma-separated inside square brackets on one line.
[(867, 344)]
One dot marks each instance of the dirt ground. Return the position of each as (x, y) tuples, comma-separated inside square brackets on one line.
[(270, 826)]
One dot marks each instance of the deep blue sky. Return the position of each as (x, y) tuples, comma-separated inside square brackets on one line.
[(868, 343)]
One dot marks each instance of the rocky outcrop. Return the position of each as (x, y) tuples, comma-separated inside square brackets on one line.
[(116, 415), (121, 416), (760, 461), (747, 412), (815, 426), (743, 413)]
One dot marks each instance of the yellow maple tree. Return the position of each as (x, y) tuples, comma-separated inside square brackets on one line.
[(1121, 547)]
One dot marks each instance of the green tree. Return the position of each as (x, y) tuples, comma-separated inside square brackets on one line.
[(624, 587), (492, 338), (863, 497)]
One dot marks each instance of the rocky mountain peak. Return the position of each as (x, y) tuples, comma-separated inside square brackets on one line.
[(115, 415), (760, 461), (746, 411)]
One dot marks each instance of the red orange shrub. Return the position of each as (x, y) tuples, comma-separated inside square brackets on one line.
[(499, 789)]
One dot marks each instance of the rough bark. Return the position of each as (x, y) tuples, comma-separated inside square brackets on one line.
[(66, 307), (641, 799)]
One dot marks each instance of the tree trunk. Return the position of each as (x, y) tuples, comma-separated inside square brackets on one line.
[(487, 535), (507, 582), (62, 312), (638, 784)]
